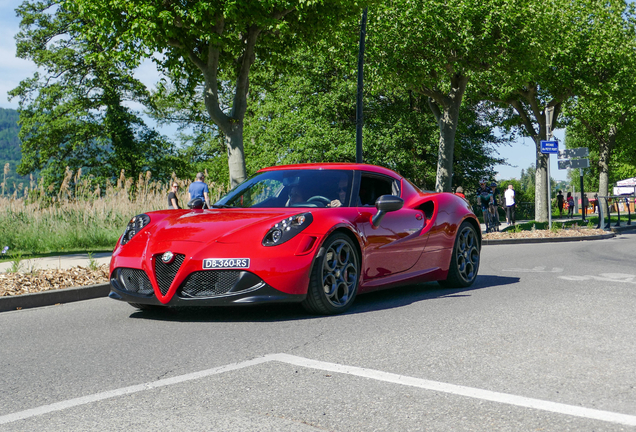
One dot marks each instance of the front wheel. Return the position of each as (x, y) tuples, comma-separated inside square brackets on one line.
[(465, 259), (333, 284)]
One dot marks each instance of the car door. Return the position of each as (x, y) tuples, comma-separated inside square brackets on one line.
[(396, 245)]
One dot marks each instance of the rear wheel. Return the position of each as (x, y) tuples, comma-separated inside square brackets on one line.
[(465, 259), (333, 284)]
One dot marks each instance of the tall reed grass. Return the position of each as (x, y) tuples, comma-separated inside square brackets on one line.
[(80, 216)]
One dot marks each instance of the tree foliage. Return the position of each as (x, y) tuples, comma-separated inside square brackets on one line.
[(309, 115), (604, 113), (211, 46), (549, 67), (435, 49), (73, 113)]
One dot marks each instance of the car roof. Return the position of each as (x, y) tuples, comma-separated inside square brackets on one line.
[(335, 166)]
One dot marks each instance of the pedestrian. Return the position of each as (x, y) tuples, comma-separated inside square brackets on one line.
[(198, 189), (460, 192), (484, 196), (173, 200), (509, 196), (560, 202), (570, 201), (495, 194)]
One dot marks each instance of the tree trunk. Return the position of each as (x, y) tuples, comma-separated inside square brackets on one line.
[(446, 112), (541, 205), (604, 154), (446, 149), (236, 154), (233, 130)]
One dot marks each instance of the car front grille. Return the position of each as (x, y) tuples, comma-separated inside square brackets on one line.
[(210, 283), (165, 273), (134, 281)]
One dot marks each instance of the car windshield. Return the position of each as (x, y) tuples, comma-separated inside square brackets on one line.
[(292, 188)]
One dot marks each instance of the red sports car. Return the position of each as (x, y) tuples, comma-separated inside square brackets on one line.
[(317, 234)]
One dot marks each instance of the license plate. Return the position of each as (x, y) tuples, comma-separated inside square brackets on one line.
[(226, 263)]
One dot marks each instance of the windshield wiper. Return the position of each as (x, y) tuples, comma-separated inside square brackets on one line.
[(221, 206)]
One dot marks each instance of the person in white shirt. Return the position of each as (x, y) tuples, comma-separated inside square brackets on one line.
[(509, 195)]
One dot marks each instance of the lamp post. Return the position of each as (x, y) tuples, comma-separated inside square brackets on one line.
[(359, 118)]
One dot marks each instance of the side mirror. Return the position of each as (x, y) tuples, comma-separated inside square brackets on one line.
[(196, 203), (385, 204)]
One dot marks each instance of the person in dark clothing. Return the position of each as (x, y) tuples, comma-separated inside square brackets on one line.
[(560, 202), (485, 198), (173, 200)]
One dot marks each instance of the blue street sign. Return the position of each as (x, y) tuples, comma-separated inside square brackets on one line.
[(550, 147)]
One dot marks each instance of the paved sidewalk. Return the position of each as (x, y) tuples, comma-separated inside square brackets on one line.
[(58, 262)]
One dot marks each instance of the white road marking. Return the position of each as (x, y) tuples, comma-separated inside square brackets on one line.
[(471, 392), (520, 401), (604, 277), (59, 406), (540, 269)]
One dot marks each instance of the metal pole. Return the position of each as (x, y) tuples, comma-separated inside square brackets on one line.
[(359, 118), (549, 113), (582, 197), (549, 196)]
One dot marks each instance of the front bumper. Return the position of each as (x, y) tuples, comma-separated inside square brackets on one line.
[(204, 288)]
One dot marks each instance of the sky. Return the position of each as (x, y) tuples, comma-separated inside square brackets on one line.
[(12, 70)]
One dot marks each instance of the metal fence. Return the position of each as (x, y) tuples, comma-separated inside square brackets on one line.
[(614, 203)]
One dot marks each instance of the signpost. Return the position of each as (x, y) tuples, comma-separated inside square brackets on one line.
[(573, 163), (567, 161), (579, 152), (549, 147)]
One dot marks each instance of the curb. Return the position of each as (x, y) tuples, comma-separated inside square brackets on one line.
[(49, 298), (547, 239)]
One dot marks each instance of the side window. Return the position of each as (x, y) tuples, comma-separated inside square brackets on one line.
[(373, 186)]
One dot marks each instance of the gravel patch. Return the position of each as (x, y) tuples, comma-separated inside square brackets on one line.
[(13, 284), (568, 232)]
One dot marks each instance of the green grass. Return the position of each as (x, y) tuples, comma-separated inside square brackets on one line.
[(591, 222)]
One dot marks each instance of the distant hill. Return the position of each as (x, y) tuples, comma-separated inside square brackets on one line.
[(10, 149)]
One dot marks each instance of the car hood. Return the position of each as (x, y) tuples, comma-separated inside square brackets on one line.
[(220, 225)]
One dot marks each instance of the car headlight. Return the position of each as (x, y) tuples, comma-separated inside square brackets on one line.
[(287, 229), (134, 226)]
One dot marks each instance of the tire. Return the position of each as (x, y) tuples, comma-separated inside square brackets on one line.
[(464, 263), (335, 276)]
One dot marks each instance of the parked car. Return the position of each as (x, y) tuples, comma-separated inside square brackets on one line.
[(315, 234)]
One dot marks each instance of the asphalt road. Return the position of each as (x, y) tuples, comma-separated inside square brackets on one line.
[(545, 340)]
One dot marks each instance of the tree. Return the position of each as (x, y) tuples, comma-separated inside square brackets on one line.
[(604, 115), (212, 45), (436, 48), (309, 115), (74, 113), (550, 67)]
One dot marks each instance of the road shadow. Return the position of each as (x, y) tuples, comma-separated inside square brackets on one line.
[(375, 301), (406, 295)]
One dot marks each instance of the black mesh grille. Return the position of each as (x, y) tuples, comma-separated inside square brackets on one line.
[(210, 283), (165, 273), (135, 280)]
